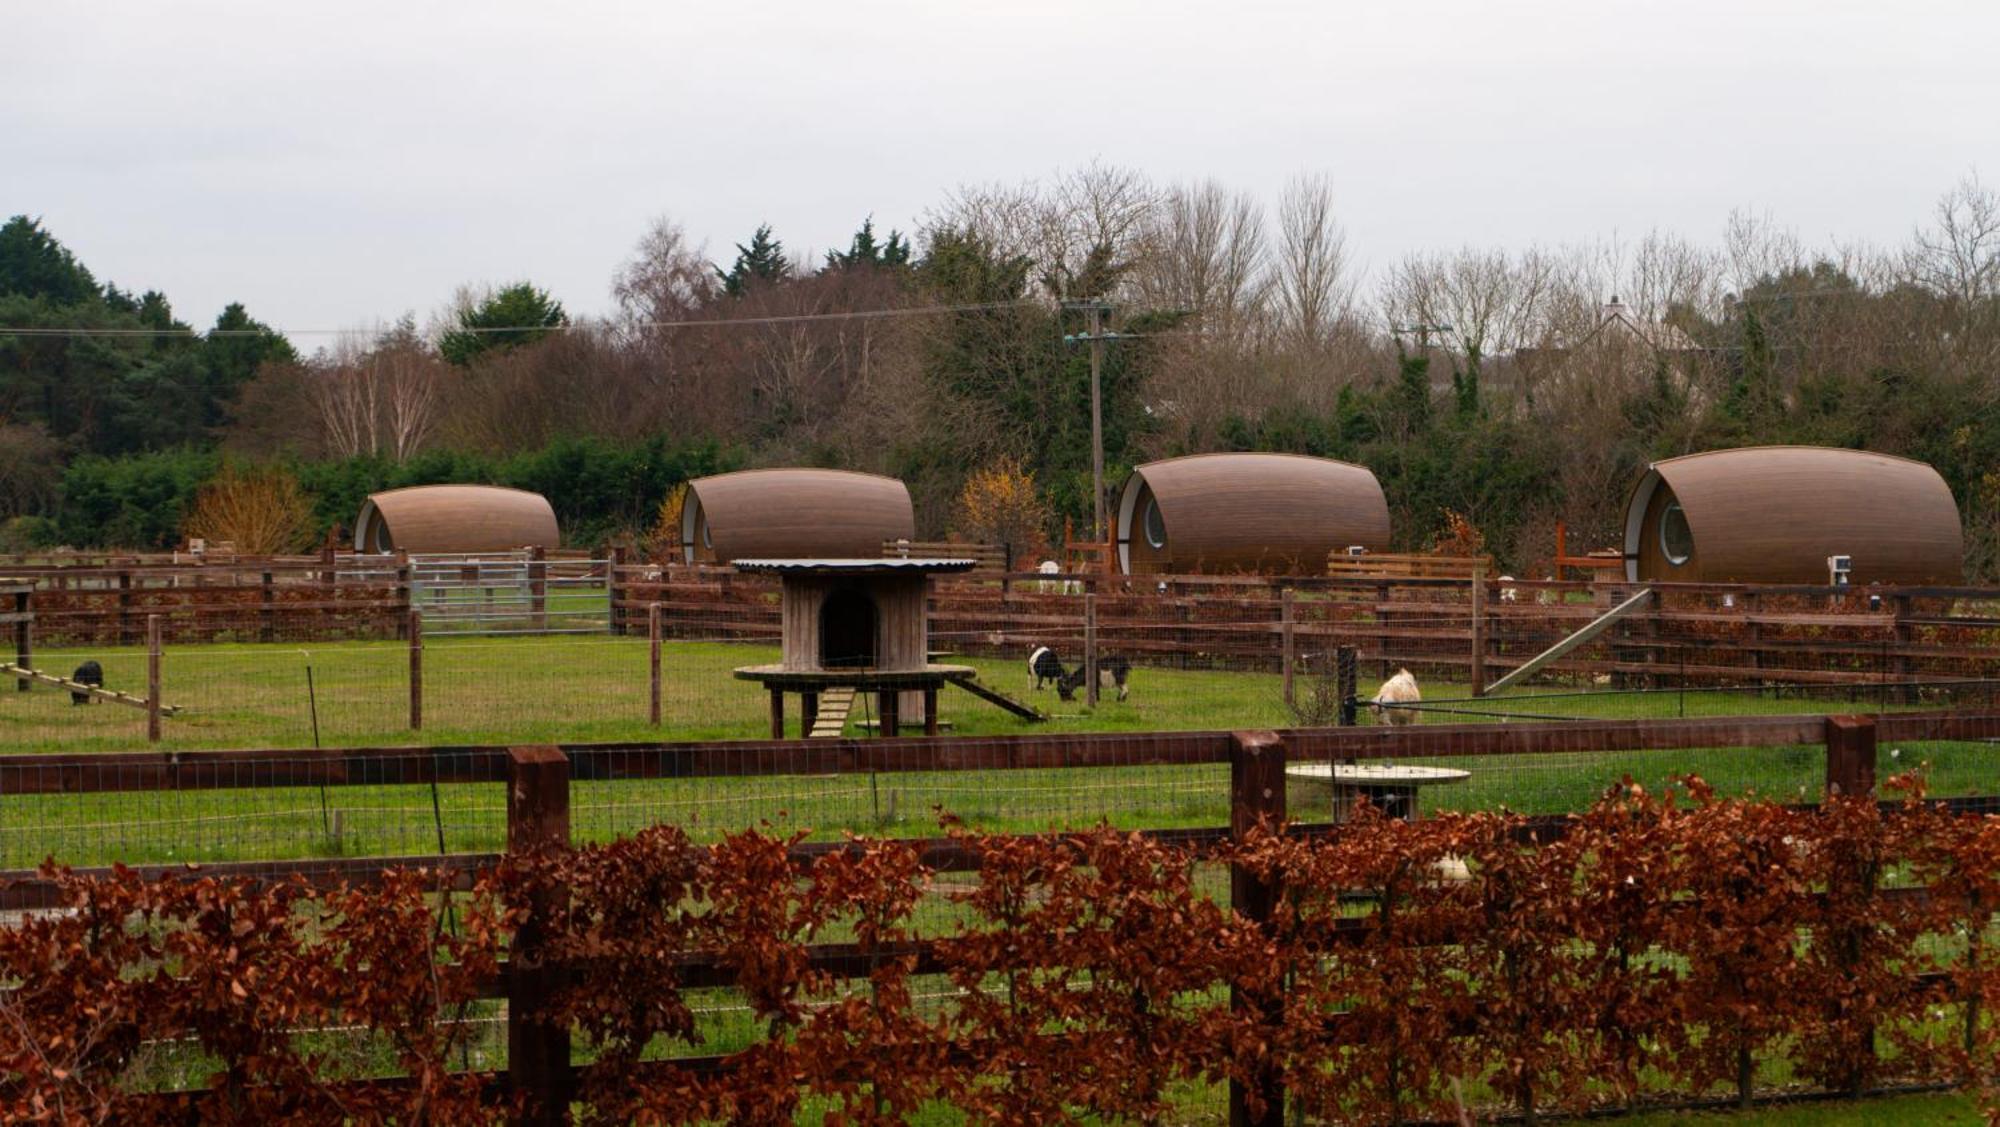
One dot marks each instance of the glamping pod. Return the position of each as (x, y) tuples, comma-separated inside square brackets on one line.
[(454, 518), (1277, 513), (1775, 514), (794, 514)]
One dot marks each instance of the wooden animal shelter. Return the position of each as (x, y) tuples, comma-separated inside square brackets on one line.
[(854, 627)]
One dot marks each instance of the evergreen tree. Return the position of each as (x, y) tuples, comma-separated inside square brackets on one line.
[(863, 250), (517, 315), (762, 261), (34, 264)]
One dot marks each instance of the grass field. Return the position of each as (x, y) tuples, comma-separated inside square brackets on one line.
[(575, 689)]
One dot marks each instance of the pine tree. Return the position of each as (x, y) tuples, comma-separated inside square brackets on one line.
[(762, 261)]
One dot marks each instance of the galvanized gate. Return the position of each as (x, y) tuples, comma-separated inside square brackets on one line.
[(510, 593)]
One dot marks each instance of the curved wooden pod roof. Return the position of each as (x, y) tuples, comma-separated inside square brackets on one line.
[(454, 518), (794, 514), (1277, 513), (1773, 514)]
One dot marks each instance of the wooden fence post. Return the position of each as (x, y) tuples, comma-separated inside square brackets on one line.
[(24, 634), (1256, 797), (538, 585), (153, 678), (1850, 755), (614, 564), (328, 580), (1478, 670), (124, 608), (1347, 683), (267, 627), (653, 662), (1287, 616), (405, 599), (1090, 649), (1850, 771), (538, 1064), (416, 632)]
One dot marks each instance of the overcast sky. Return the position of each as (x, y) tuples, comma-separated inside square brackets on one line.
[(334, 165)]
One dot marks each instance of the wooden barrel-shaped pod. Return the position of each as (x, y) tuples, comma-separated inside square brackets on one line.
[(1774, 514), (794, 514), (454, 518), (1271, 513)]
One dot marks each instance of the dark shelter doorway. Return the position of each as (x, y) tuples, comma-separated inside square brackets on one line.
[(847, 630)]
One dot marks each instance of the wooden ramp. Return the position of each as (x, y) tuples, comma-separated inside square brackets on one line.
[(834, 706), (9, 669), (970, 683), (1597, 626)]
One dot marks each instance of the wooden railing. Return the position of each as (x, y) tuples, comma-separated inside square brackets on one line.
[(538, 788)]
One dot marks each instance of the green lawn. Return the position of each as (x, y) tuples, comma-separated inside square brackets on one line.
[(594, 688)]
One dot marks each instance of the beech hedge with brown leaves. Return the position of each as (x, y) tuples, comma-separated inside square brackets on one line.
[(1655, 948)]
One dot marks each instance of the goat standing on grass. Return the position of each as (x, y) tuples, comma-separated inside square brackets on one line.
[(1043, 665), (1400, 689), (1110, 671)]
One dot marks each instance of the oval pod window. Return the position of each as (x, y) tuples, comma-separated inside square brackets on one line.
[(1676, 540), (1156, 526)]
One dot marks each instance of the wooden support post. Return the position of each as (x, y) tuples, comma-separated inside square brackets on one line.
[(404, 600), (1850, 772), (1850, 755), (1256, 797), (538, 1064), (1905, 666), (614, 588), (930, 710), (777, 714), (1090, 649), (887, 705), (328, 579), (808, 712), (1347, 683), (267, 615), (24, 636), (124, 608), (153, 678), (538, 588), (653, 664), (416, 632), (1478, 674), (1286, 625)]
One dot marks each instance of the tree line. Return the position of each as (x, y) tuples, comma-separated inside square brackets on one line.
[(1509, 387)]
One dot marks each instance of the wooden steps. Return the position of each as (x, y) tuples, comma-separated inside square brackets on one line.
[(831, 719)]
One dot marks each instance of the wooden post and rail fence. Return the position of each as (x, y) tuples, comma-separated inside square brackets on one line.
[(538, 814)]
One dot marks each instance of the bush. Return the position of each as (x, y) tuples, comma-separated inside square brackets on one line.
[(137, 501), (258, 511)]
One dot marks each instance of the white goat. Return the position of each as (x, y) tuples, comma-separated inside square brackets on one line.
[(1400, 689), (1047, 586), (1508, 594)]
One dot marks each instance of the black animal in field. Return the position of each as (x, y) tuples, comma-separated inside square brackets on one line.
[(1111, 671), (1044, 666), (89, 673)]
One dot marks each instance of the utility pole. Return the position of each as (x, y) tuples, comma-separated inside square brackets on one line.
[(1096, 338)]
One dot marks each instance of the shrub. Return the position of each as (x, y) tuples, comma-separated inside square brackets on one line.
[(259, 510)]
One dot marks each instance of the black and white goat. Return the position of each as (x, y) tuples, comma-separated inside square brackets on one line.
[(1044, 666), (1111, 671)]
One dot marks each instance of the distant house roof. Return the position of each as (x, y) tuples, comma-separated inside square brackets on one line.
[(1619, 320)]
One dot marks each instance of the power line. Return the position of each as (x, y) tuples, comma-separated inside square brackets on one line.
[(713, 322)]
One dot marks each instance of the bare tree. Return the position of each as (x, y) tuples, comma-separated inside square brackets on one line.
[(667, 279), (1959, 257), (1313, 290), (1492, 302), (346, 400), (1203, 252)]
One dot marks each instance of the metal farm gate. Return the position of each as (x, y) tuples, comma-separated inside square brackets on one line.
[(510, 593)]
